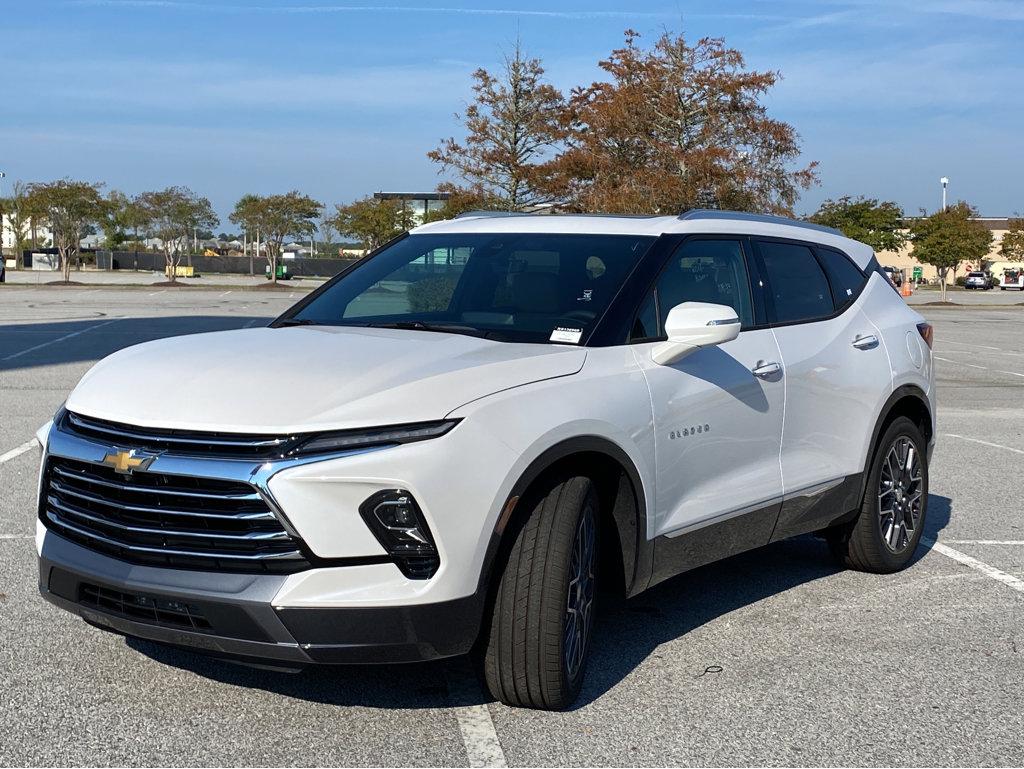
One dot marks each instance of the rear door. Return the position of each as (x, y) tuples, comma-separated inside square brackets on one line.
[(835, 362), (718, 424)]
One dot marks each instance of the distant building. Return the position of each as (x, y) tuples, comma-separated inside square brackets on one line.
[(994, 263), (418, 203), (7, 238)]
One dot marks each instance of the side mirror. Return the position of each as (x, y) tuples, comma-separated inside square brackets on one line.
[(692, 325)]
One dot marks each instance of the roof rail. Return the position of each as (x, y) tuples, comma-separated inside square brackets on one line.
[(710, 213), (484, 213)]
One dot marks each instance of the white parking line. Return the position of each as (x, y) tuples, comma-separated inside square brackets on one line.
[(18, 451), (984, 443), (984, 541), (969, 344), (225, 293), (251, 323), (58, 339), (17, 536), (1011, 373), (483, 748), (989, 571), (958, 363)]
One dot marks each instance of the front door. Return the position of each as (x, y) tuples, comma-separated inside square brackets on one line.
[(717, 412)]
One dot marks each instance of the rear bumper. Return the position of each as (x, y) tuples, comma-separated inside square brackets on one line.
[(232, 615)]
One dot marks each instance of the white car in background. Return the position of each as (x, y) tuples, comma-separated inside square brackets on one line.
[(977, 280), (1012, 279), (493, 420)]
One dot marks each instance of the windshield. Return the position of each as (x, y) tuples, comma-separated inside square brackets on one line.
[(508, 287), (975, 275)]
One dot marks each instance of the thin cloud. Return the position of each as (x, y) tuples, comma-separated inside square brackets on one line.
[(326, 9), (186, 5)]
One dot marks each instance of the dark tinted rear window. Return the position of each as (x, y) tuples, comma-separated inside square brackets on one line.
[(843, 275), (799, 289)]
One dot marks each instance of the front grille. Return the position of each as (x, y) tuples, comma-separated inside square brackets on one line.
[(185, 442), (144, 608), (159, 519)]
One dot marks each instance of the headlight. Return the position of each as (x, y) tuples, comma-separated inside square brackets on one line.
[(346, 440)]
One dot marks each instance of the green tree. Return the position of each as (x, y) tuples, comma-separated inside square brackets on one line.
[(879, 224), (113, 219), (70, 208), (372, 222), (276, 217), (172, 215), (511, 126), (947, 238), (1012, 246), (461, 200)]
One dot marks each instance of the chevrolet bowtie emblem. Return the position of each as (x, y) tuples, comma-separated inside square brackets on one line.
[(125, 462)]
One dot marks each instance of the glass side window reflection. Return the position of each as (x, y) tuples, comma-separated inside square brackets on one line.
[(711, 271)]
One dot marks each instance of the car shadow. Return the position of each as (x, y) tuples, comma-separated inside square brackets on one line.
[(624, 637)]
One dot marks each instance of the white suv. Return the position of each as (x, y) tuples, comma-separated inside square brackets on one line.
[(492, 418)]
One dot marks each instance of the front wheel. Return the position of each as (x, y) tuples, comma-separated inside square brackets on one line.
[(885, 534), (543, 614)]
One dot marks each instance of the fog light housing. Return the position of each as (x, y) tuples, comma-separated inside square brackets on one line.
[(398, 524)]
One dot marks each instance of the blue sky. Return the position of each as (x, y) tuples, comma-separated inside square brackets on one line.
[(342, 99)]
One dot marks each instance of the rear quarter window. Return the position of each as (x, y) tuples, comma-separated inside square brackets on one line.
[(844, 276)]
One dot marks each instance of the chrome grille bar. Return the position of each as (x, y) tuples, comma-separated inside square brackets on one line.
[(159, 518), (247, 496), (249, 536), (290, 554)]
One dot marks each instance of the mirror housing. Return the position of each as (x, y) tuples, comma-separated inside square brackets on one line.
[(692, 325)]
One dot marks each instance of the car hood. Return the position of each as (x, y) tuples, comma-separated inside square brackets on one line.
[(308, 378)]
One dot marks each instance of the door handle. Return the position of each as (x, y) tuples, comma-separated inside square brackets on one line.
[(766, 370), (866, 342)]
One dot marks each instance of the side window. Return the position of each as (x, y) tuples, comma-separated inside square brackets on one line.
[(799, 289), (707, 271), (846, 279), (646, 324)]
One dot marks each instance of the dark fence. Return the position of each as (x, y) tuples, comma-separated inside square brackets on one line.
[(148, 261)]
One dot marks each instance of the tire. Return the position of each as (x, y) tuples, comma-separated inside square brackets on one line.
[(870, 543), (533, 657)]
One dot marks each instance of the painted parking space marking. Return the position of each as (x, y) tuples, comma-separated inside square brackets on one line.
[(984, 443), (973, 563), (969, 344), (958, 363), (984, 541), (483, 748), (18, 450), (73, 334)]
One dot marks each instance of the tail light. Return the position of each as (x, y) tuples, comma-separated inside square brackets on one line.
[(927, 333)]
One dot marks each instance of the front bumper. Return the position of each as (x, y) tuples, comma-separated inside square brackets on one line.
[(233, 615)]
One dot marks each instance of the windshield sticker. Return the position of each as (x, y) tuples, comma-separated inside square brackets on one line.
[(570, 335), (588, 295)]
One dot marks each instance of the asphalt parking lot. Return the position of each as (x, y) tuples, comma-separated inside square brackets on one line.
[(774, 657)]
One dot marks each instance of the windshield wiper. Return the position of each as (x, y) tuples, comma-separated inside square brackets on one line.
[(445, 328), (298, 322)]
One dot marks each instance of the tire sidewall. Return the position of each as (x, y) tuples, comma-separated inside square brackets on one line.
[(900, 427)]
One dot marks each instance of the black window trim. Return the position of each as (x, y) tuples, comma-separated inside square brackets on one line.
[(813, 247)]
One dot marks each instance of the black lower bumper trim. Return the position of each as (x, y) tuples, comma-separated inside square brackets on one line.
[(232, 615)]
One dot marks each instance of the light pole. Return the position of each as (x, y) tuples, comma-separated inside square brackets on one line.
[(945, 181), (3, 225)]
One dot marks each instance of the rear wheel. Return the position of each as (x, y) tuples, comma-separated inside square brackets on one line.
[(885, 534), (540, 630)]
